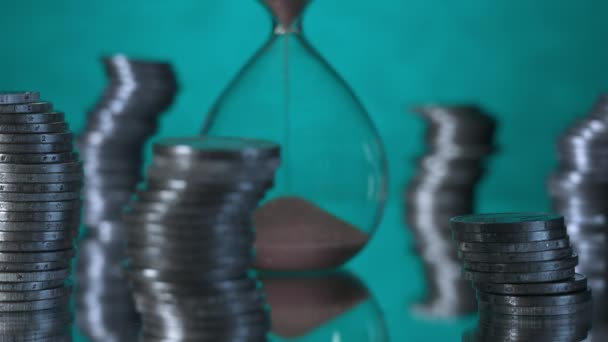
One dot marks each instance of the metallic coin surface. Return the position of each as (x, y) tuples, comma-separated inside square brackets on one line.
[(576, 284), (500, 257), (38, 158), (7, 177), (519, 247), (563, 299), (518, 278), (31, 118), (542, 235), (69, 167), (553, 310), (26, 296), (527, 267), (18, 97), (25, 108), (507, 222)]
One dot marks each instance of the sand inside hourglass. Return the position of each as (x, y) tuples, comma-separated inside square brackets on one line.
[(286, 11), (295, 234)]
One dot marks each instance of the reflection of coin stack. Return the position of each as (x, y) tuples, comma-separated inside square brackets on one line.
[(579, 191), (40, 184), (458, 139), (190, 240), (117, 129), (522, 266)]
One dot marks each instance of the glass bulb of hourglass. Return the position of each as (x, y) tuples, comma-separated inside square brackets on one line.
[(330, 189)]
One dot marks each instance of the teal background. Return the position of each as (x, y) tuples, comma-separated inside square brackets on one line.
[(536, 64)]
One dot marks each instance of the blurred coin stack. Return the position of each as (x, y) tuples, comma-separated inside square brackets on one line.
[(579, 191), (191, 242), (111, 145), (40, 190), (523, 269), (458, 140)]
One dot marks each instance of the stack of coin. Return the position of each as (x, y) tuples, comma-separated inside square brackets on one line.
[(523, 267), (458, 139), (190, 240), (40, 189), (111, 145), (578, 190), (493, 327)]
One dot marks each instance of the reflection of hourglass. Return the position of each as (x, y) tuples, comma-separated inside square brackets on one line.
[(330, 190), (334, 307)]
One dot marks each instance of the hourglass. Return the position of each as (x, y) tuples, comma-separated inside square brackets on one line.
[(330, 189)]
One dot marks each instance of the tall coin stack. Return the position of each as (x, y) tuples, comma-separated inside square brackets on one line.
[(40, 189), (579, 191), (191, 240), (458, 139), (111, 145), (522, 267)]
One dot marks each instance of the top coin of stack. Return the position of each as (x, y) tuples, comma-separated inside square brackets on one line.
[(40, 185), (521, 264)]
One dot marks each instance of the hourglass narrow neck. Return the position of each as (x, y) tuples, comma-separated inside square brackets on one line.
[(294, 28)]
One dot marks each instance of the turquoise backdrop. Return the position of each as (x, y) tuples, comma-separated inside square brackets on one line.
[(536, 64)]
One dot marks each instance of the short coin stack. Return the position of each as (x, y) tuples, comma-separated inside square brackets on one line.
[(40, 189), (112, 145), (459, 138), (522, 266), (190, 240), (579, 191)]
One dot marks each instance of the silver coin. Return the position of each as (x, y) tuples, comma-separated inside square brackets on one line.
[(536, 310), (34, 266), (500, 257), (22, 277), (16, 97), (576, 284), (51, 138), (34, 236), (507, 222), (27, 296), (70, 167), (47, 246), (563, 299), (41, 206), (40, 187), (216, 147), (39, 226), (56, 256), (34, 305), (31, 286), (517, 247), (518, 278), (36, 148), (34, 107), (52, 127), (523, 267), (38, 158), (31, 118), (39, 197), (7, 177), (541, 235)]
